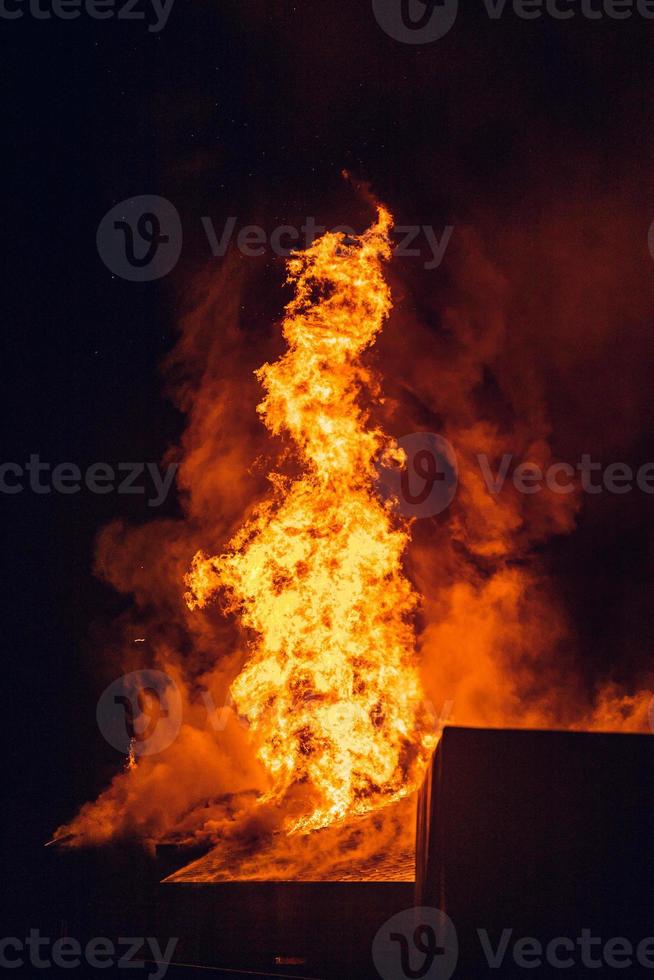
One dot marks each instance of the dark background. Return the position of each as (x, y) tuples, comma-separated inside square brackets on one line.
[(253, 109)]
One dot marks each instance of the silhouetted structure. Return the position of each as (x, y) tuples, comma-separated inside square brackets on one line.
[(545, 834)]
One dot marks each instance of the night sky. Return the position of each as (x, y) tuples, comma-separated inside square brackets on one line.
[(519, 129)]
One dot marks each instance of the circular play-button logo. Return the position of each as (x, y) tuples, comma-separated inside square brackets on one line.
[(416, 944), (140, 239), (426, 484), (416, 21), (140, 712)]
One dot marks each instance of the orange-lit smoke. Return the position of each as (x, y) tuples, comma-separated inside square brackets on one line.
[(331, 593)]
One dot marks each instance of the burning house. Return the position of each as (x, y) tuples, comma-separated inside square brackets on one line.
[(300, 613)]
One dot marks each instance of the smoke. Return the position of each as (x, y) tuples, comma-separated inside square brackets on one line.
[(510, 351), (209, 773), (532, 349)]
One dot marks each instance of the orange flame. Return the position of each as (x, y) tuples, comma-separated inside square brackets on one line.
[(497, 640), (330, 689)]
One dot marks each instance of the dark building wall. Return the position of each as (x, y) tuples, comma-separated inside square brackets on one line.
[(318, 929), (541, 833)]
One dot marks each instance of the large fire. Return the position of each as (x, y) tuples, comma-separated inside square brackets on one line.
[(330, 689), (330, 663)]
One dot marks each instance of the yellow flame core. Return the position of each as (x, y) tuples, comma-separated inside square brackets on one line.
[(330, 689)]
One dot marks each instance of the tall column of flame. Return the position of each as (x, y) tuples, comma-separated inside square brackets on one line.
[(330, 689)]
